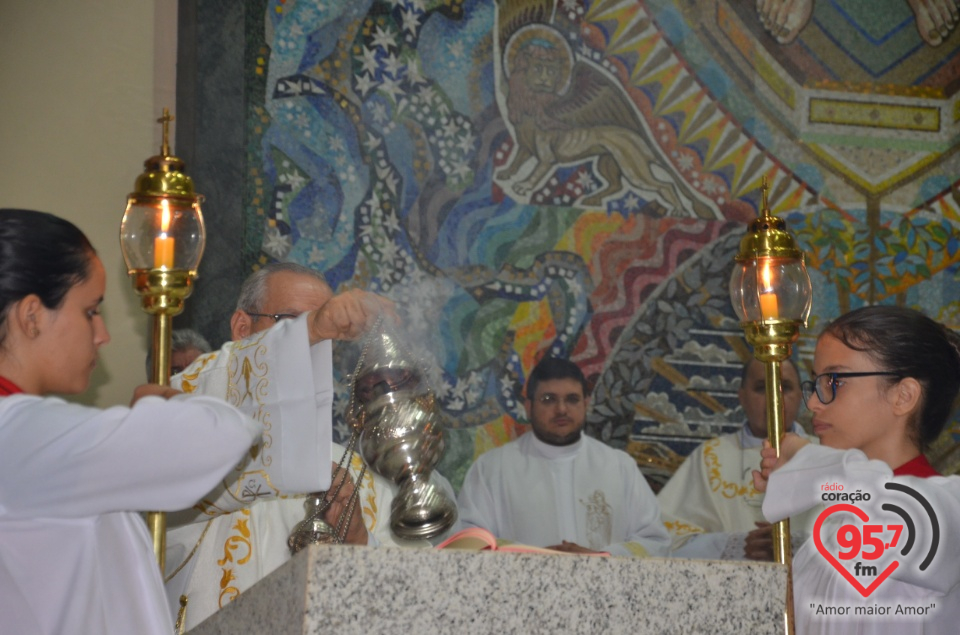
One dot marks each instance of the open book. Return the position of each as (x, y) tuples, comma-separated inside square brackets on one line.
[(479, 539)]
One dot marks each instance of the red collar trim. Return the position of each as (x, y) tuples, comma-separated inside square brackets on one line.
[(7, 387), (919, 466)]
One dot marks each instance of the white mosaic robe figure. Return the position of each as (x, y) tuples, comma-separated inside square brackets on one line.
[(821, 593), (710, 504), (529, 492)]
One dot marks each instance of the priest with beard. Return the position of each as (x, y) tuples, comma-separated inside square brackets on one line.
[(557, 488)]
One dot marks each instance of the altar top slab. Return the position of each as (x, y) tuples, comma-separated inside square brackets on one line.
[(389, 590)]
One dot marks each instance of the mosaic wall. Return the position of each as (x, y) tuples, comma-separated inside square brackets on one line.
[(572, 177)]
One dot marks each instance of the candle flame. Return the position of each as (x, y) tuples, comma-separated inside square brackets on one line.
[(766, 274), (769, 307), (164, 216)]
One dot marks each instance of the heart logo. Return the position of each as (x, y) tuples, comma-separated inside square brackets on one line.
[(862, 515)]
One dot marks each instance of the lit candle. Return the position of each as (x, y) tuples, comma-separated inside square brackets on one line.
[(163, 244), (769, 308)]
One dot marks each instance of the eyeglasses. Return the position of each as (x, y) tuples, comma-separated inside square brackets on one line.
[(275, 316), (550, 399), (826, 384)]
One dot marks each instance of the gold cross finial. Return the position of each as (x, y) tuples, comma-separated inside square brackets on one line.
[(764, 208), (165, 120)]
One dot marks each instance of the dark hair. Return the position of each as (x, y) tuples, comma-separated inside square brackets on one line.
[(910, 343), (40, 254), (554, 368)]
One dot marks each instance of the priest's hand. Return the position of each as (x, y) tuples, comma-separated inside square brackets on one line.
[(153, 390), (769, 461), (356, 531), (759, 543), (348, 315), (572, 547)]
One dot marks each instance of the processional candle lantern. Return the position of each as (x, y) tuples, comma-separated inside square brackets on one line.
[(162, 238), (771, 294)]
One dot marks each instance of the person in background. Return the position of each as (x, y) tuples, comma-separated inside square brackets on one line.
[(185, 346), (75, 556), (709, 505), (557, 488), (886, 382)]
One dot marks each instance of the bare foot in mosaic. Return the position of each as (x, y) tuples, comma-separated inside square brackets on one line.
[(935, 19), (784, 19)]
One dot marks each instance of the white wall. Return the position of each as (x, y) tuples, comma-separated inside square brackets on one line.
[(79, 86)]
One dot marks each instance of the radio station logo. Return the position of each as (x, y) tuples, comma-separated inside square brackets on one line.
[(865, 553)]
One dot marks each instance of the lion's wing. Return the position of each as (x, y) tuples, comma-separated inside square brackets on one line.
[(594, 100)]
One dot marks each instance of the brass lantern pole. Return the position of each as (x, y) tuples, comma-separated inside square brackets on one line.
[(162, 238), (771, 294)]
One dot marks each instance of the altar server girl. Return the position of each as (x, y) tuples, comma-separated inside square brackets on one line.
[(75, 556), (884, 555)]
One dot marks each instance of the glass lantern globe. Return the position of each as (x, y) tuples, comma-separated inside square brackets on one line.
[(766, 288), (162, 232)]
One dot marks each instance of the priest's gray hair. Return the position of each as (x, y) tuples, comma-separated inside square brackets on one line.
[(254, 289), (184, 339)]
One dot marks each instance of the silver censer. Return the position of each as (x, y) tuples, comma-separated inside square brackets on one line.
[(397, 424), (401, 435)]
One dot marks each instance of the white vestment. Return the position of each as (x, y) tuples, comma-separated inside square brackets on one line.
[(589, 493), (73, 559), (238, 534), (236, 550), (710, 504), (280, 380), (819, 589)]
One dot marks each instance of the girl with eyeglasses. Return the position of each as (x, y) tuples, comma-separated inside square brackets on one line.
[(888, 558), (75, 556)]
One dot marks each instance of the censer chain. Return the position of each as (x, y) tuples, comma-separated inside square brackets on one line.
[(343, 523)]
